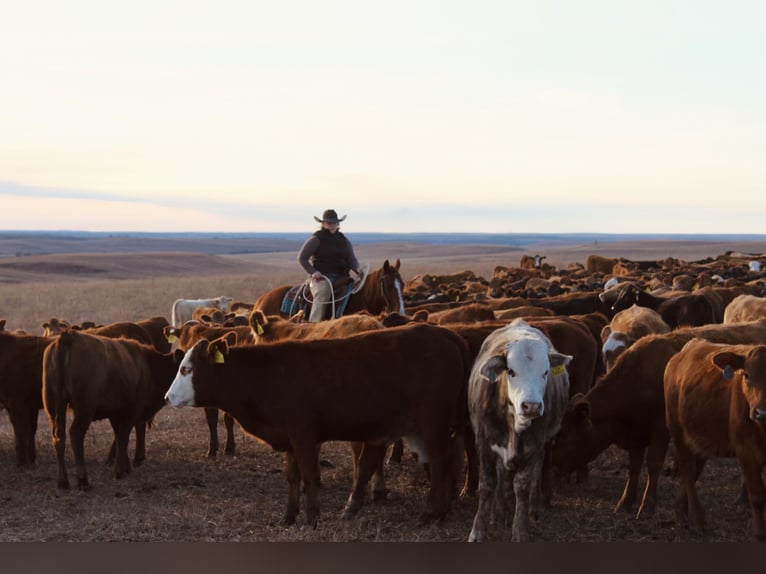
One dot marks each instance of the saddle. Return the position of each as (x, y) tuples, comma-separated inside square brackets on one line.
[(295, 300)]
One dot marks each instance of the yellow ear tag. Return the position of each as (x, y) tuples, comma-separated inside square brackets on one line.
[(218, 357), (172, 339), (258, 328), (560, 370)]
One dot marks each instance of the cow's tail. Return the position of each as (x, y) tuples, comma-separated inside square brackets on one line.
[(56, 396)]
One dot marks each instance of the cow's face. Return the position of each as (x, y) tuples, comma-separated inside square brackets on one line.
[(524, 368), (181, 391), (753, 381)]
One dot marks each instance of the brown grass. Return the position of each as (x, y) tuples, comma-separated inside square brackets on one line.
[(180, 495)]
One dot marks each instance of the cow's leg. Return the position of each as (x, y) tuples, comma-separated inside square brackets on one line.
[(307, 459), (689, 469), (211, 416), (121, 438), (369, 457), (655, 459), (58, 432), (755, 491), (522, 483), (628, 498), (139, 456), (77, 430), (23, 429), (471, 464), (397, 450), (486, 490), (293, 489), (228, 422)]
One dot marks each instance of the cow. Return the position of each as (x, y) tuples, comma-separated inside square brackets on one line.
[(373, 387), (744, 308), (274, 328), (183, 339), (21, 374), (531, 262), (517, 393), (155, 328), (599, 264), (626, 327), (183, 308), (99, 377), (626, 407), (715, 401)]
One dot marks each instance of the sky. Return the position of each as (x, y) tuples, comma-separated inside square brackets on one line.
[(408, 116)]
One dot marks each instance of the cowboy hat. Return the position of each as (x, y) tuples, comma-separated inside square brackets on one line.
[(329, 216)]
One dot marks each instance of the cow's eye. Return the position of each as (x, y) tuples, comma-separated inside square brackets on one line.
[(185, 371)]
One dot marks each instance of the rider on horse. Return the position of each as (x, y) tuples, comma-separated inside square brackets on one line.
[(327, 256)]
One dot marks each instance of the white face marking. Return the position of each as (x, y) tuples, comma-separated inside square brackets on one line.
[(398, 285), (181, 391), (527, 363), (614, 342), (416, 445)]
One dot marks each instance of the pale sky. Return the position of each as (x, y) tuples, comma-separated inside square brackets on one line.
[(434, 116)]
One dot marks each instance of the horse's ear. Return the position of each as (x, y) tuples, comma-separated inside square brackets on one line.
[(397, 264), (386, 266)]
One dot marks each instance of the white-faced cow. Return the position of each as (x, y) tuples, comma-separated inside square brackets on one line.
[(517, 393), (715, 401), (373, 387)]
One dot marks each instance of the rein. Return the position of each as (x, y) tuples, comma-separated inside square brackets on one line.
[(306, 291)]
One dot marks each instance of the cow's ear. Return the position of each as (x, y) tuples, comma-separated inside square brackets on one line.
[(258, 321), (178, 356), (493, 367), (605, 332), (581, 409), (218, 349), (559, 361), (728, 362)]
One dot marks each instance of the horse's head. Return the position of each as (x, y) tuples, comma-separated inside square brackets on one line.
[(391, 287)]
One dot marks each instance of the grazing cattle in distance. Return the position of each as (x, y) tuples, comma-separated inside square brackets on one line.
[(517, 393), (21, 375), (371, 387), (626, 407), (745, 308), (626, 327), (184, 308), (715, 400), (274, 328), (531, 261), (98, 377)]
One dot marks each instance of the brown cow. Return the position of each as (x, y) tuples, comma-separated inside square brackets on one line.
[(626, 407), (273, 328), (531, 261), (715, 401), (98, 377), (626, 327), (373, 387), (599, 264), (745, 308), (21, 375)]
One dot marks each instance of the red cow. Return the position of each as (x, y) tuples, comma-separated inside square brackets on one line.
[(715, 401), (373, 387), (96, 378)]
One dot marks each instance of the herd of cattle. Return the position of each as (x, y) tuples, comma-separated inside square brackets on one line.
[(496, 385)]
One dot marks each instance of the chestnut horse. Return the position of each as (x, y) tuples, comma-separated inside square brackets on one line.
[(381, 291)]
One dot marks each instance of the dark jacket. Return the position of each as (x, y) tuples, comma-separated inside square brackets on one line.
[(328, 253)]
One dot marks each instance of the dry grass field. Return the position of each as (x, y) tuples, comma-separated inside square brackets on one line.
[(180, 495)]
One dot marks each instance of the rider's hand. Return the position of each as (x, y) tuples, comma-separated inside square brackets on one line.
[(316, 275)]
